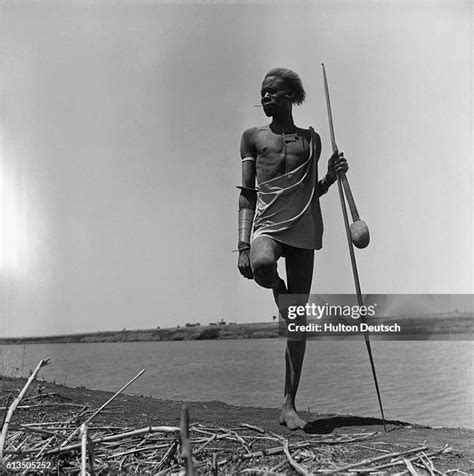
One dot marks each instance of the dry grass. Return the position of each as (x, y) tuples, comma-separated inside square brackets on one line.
[(68, 440), (158, 450)]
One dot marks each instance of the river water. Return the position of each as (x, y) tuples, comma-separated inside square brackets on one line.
[(421, 382)]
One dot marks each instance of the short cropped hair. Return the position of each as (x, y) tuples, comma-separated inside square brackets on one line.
[(292, 80)]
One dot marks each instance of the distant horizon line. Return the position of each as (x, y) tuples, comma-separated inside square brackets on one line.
[(213, 324)]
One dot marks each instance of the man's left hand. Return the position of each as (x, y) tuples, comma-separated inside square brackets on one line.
[(336, 163)]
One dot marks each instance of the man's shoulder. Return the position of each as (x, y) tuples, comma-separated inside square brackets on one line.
[(252, 131), (309, 130), (311, 133), (250, 136)]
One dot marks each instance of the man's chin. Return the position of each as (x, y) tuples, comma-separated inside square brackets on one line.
[(268, 111)]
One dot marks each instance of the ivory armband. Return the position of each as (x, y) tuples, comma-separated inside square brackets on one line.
[(247, 159), (245, 227)]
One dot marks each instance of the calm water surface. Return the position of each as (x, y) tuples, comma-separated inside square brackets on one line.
[(421, 382)]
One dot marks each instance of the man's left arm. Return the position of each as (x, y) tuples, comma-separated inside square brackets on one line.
[(336, 164)]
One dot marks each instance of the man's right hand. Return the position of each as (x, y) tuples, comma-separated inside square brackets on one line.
[(244, 264)]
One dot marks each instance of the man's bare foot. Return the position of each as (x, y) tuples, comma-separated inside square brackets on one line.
[(291, 420)]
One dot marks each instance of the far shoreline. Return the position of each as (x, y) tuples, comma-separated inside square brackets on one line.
[(458, 326)]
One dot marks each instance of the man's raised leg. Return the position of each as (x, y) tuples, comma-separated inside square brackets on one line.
[(264, 255)]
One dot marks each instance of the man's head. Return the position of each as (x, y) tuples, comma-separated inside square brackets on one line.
[(281, 88)]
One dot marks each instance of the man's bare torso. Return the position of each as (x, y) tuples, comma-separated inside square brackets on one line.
[(277, 153)]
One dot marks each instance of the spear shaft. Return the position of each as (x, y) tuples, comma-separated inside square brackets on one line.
[(355, 273)]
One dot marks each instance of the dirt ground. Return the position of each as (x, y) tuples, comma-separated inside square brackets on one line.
[(329, 442)]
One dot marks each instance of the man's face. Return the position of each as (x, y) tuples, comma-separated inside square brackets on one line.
[(274, 96)]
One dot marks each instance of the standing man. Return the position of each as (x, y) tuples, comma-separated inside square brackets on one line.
[(283, 209)]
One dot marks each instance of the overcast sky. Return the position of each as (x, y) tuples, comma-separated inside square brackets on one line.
[(120, 131)]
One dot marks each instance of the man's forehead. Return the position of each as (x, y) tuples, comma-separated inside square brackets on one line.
[(274, 81)]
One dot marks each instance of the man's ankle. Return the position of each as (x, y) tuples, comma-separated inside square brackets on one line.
[(289, 403)]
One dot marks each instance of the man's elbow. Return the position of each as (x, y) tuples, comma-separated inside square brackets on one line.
[(247, 199)]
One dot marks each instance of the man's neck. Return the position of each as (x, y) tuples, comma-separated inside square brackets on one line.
[(283, 125)]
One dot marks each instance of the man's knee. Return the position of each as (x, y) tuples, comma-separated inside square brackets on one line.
[(264, 271)]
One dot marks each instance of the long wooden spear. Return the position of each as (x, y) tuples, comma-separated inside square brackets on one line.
[(342, 181)]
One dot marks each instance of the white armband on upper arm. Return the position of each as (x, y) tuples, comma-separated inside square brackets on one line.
[(245, 159)]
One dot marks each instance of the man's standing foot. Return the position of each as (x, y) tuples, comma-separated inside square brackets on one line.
[(291, 419)]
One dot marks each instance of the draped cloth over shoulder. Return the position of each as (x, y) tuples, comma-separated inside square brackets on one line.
[(288, 207)]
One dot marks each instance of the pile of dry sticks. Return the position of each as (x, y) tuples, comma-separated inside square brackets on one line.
[(76, 445)]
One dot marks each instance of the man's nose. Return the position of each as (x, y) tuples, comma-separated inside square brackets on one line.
[(267, 97)]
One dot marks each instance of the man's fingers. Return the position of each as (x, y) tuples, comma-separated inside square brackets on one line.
[(338, 162), (341, 164)]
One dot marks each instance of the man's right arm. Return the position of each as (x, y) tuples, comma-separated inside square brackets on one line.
[(247, 200)]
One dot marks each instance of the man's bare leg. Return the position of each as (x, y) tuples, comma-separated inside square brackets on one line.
[(264, 255), (299, 271)]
